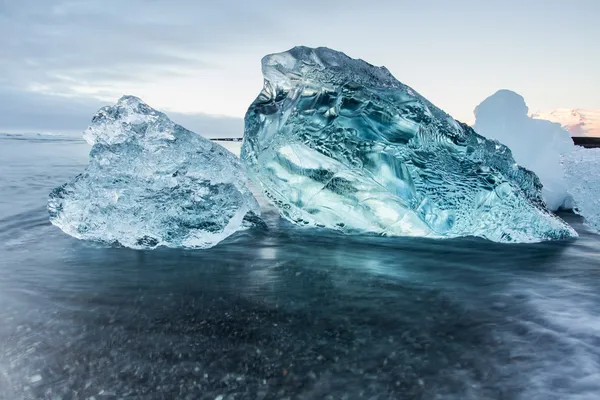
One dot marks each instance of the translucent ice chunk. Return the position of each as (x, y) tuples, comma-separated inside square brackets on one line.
[(583, 181), (536, 144), (339, 143), (151, 182)]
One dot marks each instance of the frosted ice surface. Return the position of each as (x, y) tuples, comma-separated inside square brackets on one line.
[(338, 143), (581, 174), (151, 182), (536, 144)]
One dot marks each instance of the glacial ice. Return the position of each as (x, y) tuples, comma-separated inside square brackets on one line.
[(581, 166), (536, 144), (336, 142), (151, 182)]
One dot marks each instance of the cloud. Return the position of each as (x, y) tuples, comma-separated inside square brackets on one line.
[(63, 59), (211, 126), (21, 111), (65, 44), (203, 56)]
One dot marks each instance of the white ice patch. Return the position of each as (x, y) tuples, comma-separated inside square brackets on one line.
[(582, 167), (535, 144)]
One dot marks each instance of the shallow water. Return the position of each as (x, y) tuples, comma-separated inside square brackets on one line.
[(286, 312)]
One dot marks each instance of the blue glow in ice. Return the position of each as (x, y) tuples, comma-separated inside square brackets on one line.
[(339, 143)]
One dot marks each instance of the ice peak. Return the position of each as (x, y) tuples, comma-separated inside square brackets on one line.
[(308, 65), (129, 105), (130, 99), (130, 102), (504, 103), (116, 124)]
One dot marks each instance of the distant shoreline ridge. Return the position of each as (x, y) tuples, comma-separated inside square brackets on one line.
[(584, 141), (227, 139), (589, 142)]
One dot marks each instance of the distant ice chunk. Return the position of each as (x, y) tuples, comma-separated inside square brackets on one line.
[(338, 143), (536, 144), (151, 182), (581, 173)]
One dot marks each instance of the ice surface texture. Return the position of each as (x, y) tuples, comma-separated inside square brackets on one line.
[(581, 166), (339, 143), (535, 144), (151, 182)]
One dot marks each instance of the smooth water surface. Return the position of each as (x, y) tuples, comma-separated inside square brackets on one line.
[(286, 312)]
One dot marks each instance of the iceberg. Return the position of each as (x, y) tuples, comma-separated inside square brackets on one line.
[(151, 182), (338, 143), (581, 166), (536, 144)]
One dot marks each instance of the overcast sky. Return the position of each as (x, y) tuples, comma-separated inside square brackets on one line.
[(60, 60)]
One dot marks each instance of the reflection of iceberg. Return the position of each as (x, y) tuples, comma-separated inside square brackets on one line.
[(581, 166), (535, 144), (151, 183), (339, 143)]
